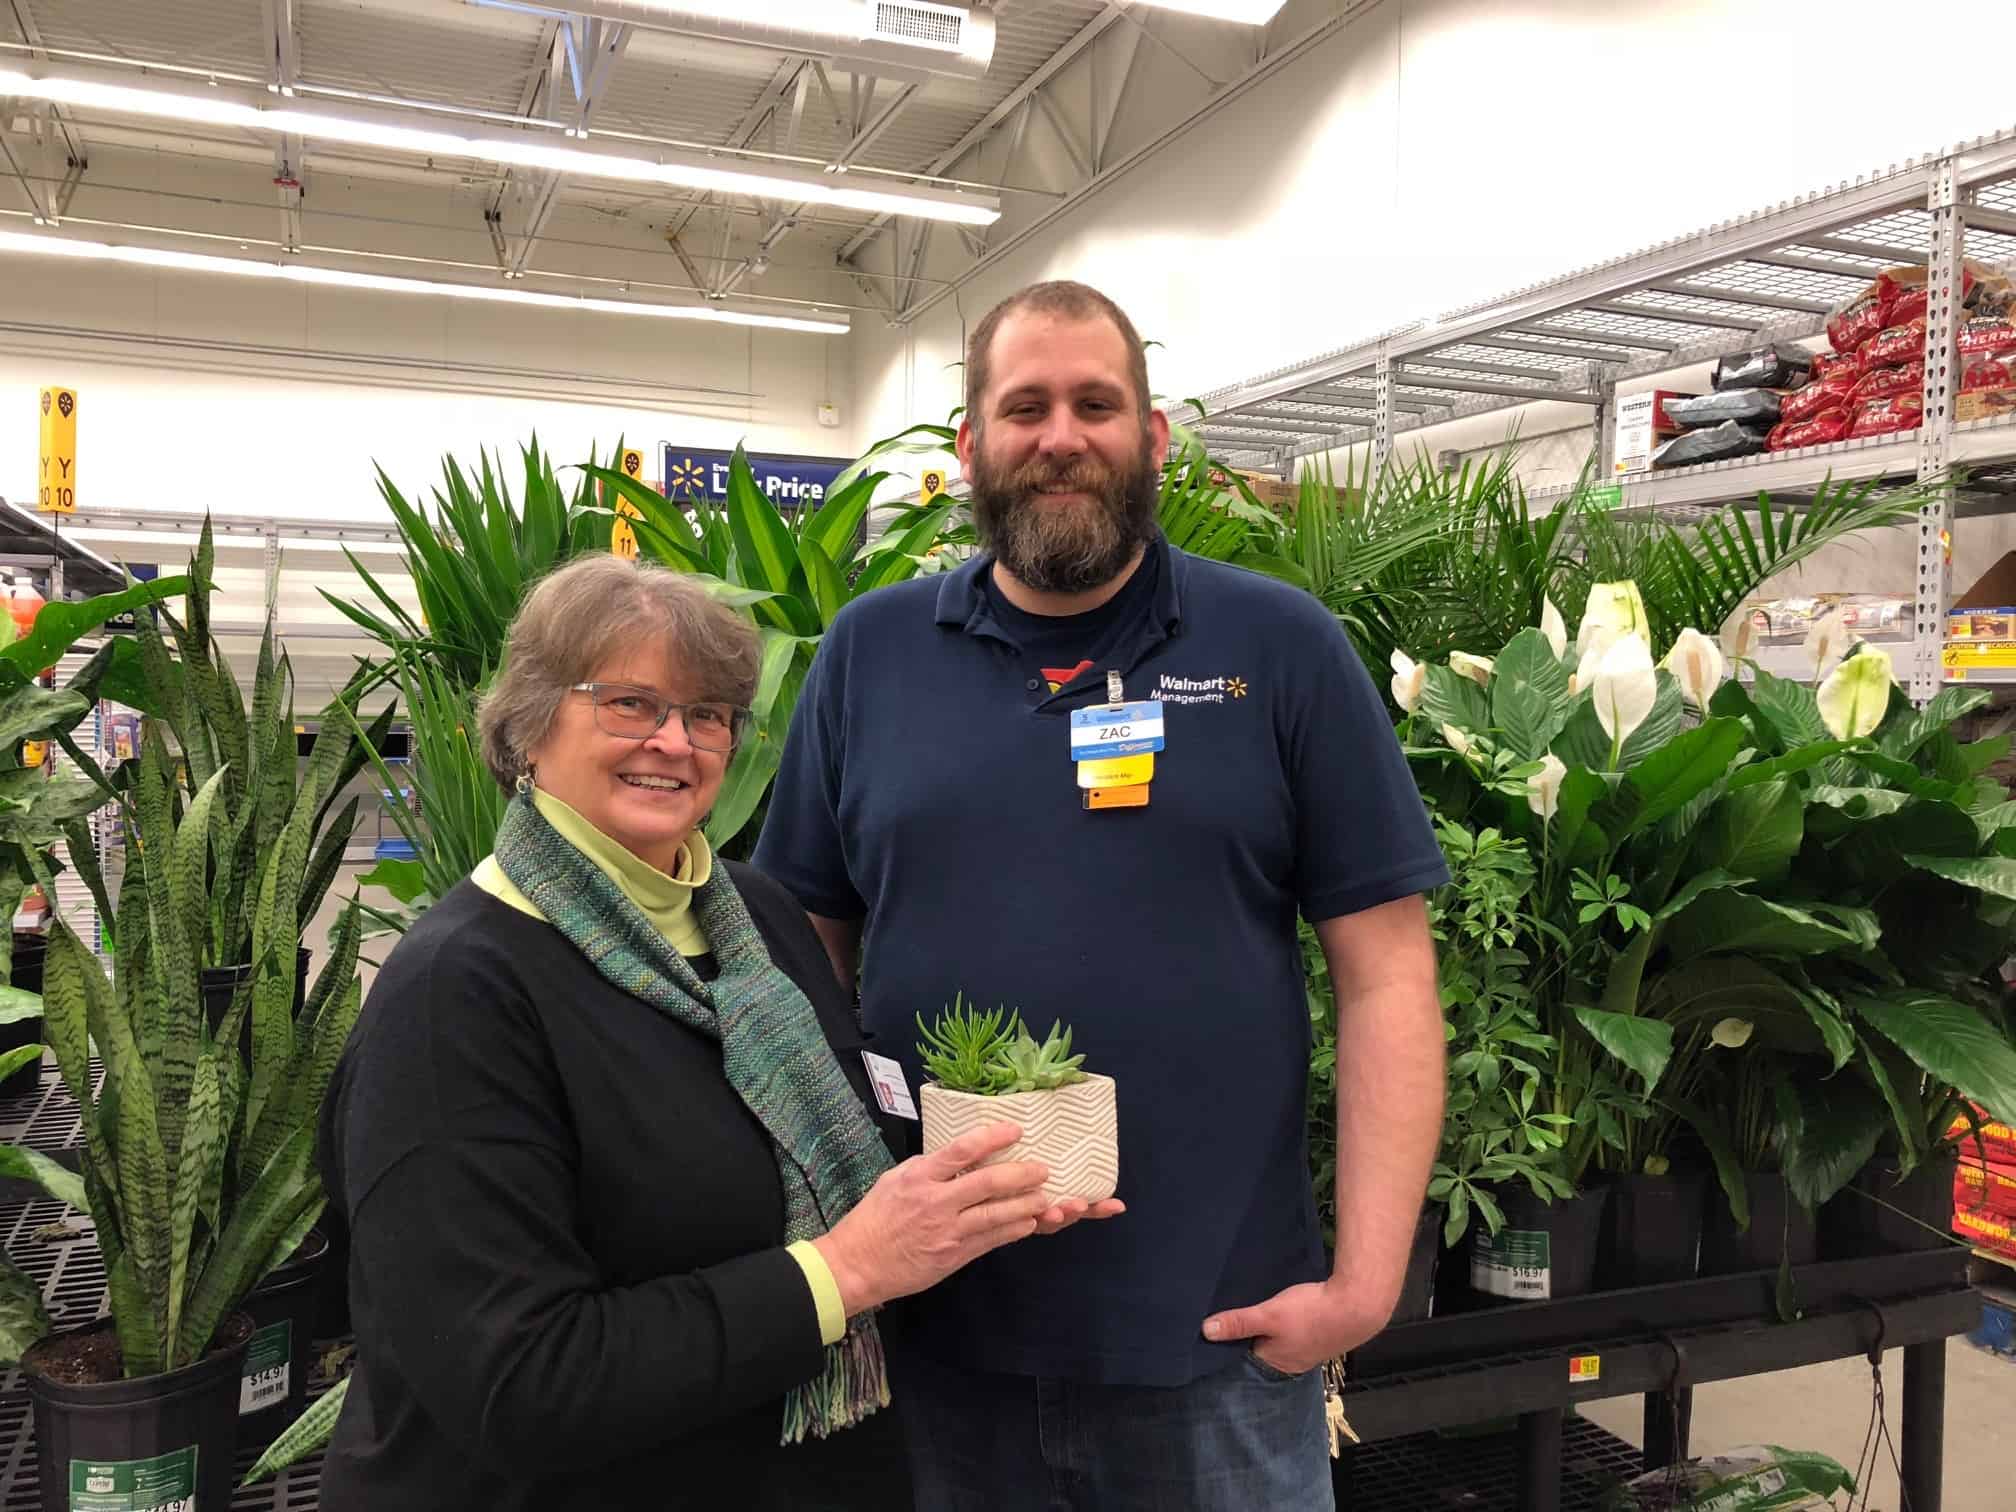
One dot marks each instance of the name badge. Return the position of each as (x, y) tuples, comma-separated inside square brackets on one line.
[(1117, 771), (892, 1091), (1105, 730)]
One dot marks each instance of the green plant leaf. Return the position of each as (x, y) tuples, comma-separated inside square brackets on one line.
[(59, 1181), (24, 1321), (1726, 923), (1902, 738), (1791, 764), (1452, 699), (1837, 1134), (405, 880), (1947, 1039), (1792, 709), (1671, 776), (755, 764), (834, 528), (1529, 695), (1834, 1031), (272, 1202), (1643, 1044), (1994, 875), (1576, 838), (60, 624), (306, 1435), (1755, 831), (1667, 719), (827, 587)]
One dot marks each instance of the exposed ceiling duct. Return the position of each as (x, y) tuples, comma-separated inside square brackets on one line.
[(892, 37)]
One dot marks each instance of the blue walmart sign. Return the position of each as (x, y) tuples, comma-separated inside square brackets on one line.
[(787, 482)]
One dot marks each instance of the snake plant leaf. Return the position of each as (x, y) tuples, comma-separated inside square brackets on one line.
[(23, 1164), (71, 980), (326, 862), (306, 1435), (143, 1175), (276, 933), (203, 1131), (1947, 1039), (24, 1321), (273, 1200), (141, 1342)]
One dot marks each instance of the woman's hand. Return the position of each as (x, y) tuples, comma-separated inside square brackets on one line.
[(935, 1213)]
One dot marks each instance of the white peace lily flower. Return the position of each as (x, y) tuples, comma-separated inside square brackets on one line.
[(1409, 678), (1827, 642), (1543, 788), (1585, 674), (1854, 700), (1616, 607), (1739, 637), (1732, 1033), (1553, 627), (1458, 741), (1696, 664), (1625, 685), (1476, 668)]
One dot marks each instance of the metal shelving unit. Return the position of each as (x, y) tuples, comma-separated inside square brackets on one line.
[(1770, 276)]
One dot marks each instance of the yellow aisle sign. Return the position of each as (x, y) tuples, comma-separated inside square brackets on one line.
[(58, 480), (622, 539), (934, 485)]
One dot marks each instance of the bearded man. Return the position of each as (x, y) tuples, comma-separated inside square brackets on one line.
[(952, 829)]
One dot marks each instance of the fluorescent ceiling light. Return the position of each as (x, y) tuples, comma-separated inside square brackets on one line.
[(202, 262), (1249, 12), (251, 111)]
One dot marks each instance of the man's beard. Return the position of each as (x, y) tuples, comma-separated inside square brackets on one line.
[(1065, 548)]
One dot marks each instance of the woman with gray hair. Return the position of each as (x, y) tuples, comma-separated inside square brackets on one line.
[(622, 1205)]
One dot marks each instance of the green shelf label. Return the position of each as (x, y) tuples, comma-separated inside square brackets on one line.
[(265, 1379), (1605, 498), (166, 1483), (1513, 1263)]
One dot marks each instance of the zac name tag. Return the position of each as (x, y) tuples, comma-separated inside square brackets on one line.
[(1127, 729), (892, 1091)]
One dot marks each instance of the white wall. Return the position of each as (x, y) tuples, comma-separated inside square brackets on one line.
[(202, 390), (1436, 153)]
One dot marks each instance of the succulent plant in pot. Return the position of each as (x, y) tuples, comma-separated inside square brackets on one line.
[(987, 1068)]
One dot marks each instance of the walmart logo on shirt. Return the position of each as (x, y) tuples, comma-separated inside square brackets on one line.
[(1197, 690)]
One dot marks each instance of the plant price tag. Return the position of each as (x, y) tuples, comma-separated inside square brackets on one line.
[(1126, 729), (166, 1483), (1513, 1263), (892, 1091), (265, 1380)]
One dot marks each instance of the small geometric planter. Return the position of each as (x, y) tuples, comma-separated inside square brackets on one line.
[(1074, 1130)]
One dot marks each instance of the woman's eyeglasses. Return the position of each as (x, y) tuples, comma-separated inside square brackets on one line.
[(637, 714)]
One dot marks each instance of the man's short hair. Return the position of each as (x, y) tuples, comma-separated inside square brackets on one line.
[(1068, 301)]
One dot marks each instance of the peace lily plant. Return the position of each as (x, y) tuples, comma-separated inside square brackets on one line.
[(1724, 940)]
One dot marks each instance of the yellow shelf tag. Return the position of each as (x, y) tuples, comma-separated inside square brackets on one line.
[(1117, 771), (1584, 1368)]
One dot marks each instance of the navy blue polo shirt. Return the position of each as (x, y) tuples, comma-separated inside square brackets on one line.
[(927, 788)]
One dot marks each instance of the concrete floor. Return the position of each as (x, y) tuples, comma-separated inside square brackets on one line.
[(1826, 1408)]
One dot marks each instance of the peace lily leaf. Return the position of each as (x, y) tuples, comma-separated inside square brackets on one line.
[(1678, 770), (1665, 723), (1447, 699), (1573, 836), (1753, 830), (1729, 923), (1853, 700), (1904, 740), (1994, 875), (1948, 1039), (1529, 695), (1643, 1044), (1834, 1032), (1838, 1132), (1704, 882), (1789, 708), (1804, 759)]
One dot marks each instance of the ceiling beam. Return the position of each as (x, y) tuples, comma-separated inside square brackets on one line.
[(597, 47), (283, 71), (24, 18), (1085, 36)]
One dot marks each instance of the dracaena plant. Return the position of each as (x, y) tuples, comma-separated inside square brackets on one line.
[(993, 1054), (197, 1167)]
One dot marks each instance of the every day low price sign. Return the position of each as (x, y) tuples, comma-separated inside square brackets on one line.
[(787, 482)]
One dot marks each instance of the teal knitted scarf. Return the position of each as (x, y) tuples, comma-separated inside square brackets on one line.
[(772, 1049)]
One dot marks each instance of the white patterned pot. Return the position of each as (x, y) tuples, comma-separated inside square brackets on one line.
[(1073, 1130)]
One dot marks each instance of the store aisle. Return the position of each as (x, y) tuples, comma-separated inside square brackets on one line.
[(1826, 1407)]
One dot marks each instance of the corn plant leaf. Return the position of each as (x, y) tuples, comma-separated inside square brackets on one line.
[(827, 588), (1949, 1040), (838, 521), (266, 1210), (202, 1132), (59, 1181), (24, 1321), (308, 1434), (1643, 1044), (763, 541), (898, 561), (782, 674)]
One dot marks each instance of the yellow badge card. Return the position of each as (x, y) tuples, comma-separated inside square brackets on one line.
[(1117, 771), (1116, 797)]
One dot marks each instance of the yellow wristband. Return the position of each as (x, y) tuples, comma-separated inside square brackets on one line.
[(825, 1291)]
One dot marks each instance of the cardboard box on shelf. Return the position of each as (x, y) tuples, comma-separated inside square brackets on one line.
[(1985, 404), (1981, 623), (1642, 423), (1269, 490)]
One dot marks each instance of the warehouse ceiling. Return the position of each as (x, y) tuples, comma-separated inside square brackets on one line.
[(1071, 91)]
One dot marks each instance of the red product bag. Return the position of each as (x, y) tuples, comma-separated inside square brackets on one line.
[(1827, 364), (1896, 346), (1835, 393), (1883, 417), (1881, 383), (1988, 372), (1828, 425), (1866, 315)]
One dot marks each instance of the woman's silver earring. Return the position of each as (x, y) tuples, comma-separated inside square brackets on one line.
[(525, 783)]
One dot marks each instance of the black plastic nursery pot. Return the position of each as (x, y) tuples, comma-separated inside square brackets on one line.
[(159, 1441), (274, 1385), (1545, 1249), (1652, 1230), (1780, 1229), (31, 948), (220, 984), (1417, 1292), (1883, 1211)]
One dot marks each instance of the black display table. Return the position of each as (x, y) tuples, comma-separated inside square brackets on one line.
[(1540, 1359)]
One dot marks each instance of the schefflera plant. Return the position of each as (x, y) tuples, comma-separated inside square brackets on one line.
[(987, 1068)]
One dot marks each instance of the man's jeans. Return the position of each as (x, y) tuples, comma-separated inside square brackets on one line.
[(1246, 1438)]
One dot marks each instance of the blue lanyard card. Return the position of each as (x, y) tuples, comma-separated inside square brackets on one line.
[(1125, 729)]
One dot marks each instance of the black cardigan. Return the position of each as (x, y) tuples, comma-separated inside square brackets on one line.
[(566, 1275)]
